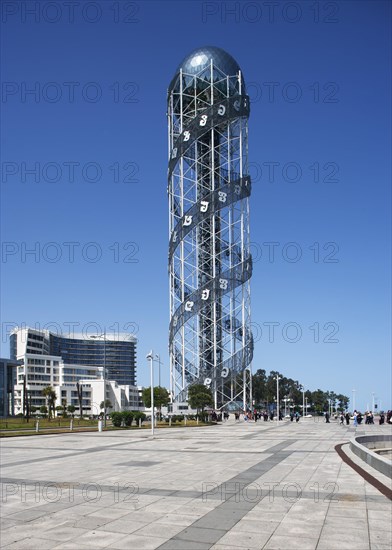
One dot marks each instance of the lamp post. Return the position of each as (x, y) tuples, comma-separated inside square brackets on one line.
[(306, 406), (150, 356), (277, 378), (373, 402), (286, 400), (158, 358), (104, 372), (303, 403)]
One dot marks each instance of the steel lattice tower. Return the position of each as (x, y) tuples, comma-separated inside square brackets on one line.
[(210, 264)]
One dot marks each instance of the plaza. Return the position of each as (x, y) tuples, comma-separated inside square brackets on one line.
[(238, 485)]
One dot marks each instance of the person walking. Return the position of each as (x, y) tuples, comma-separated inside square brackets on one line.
[(355, 419), (327, 417), (347, 418)]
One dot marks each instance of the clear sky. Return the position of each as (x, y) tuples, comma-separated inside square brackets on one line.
[(318, 75)]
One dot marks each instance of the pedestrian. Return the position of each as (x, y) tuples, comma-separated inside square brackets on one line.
[(347, 418), (291, 416), (297, 416), (341, 419), (327, 417), (355, 419)]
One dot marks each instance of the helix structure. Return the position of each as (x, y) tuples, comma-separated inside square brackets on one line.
[(210, 265)]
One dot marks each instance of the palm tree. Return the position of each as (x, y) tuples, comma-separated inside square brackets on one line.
[(51, 397)]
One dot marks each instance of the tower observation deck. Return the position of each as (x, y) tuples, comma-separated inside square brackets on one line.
[(210, 265)]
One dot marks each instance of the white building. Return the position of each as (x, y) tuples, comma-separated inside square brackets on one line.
[(38, 369)]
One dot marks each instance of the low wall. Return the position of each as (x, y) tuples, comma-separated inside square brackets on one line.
[(363, 447)]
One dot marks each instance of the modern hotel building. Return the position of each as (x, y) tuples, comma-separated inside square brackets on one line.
[(47, 359)]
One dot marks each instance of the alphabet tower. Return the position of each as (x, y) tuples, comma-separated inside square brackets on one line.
[(210, 265)]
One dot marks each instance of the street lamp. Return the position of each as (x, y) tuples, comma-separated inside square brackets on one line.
[(97, 336), (158, 358), (306, 406), (150, 356), (373, 402), (286, 400), (277, 378)]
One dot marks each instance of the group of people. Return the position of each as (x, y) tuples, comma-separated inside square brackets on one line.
[(368, 416), (256, 415)]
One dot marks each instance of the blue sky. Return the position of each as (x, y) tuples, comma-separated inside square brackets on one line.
[(320, 116)]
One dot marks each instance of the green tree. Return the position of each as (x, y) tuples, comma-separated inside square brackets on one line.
[(127, 417), (51, 397), (71, 409), (79, 391), (259, 385), (107, 403), (161, 397), (43, 410), (117, 419), (199, 397), (343, 402), (320, 401)]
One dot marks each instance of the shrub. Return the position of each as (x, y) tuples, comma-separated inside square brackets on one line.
[(117, 419), (127, 417), (139, 415)]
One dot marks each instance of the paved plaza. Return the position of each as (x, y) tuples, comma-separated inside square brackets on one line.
[(225, 487)]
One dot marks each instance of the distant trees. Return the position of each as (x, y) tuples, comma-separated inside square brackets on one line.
[(264, 393)]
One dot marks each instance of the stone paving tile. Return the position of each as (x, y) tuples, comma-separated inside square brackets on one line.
[(297, 528), (108, 513), (89, 522), (244, 540), (6, 523), (32, 543), (178, 519), (337, 543), (198, 534), (62, 533), (175, 544), (283, 543), (70, 545), (159, 529), (122, 526), (246, 526), (99, 538), (137, 543)]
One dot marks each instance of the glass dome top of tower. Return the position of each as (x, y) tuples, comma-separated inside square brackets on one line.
[(200, 59)]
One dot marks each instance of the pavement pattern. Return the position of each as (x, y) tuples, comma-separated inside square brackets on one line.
[(239, 485)]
